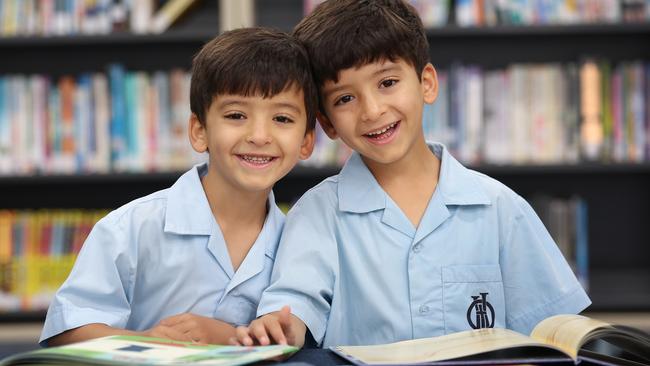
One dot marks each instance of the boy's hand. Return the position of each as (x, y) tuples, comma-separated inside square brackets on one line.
[(280, 327), (163, 331), (195, 328)]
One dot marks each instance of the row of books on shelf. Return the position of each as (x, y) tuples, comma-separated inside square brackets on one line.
[(37, 251), (529, 12), (543, 113), (566, 219), (472, 13), (524, 114), (38, 248), (95, 122), (72, 17)]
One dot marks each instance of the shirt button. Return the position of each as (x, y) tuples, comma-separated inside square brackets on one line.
[(417, 248), (424, 309)]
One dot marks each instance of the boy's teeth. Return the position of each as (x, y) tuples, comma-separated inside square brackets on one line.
[(382, 130), (257, 159)]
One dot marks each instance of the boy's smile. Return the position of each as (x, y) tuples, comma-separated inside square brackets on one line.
[(383, 135), (253, 141), (256, 161), (376, 109)]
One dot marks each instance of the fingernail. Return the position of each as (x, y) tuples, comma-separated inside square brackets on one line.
[(264, 340)]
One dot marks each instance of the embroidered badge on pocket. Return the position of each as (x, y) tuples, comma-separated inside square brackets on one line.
[(480, 313)]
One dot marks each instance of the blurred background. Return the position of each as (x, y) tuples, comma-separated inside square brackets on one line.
[(551, 97)]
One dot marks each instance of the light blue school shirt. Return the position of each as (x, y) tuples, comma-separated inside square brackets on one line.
[(355, 270), (159, 256)]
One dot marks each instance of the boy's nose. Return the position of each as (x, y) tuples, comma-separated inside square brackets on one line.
[(372, 109), (259, 134)]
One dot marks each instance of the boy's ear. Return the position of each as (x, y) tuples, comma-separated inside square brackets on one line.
[(198, 134), (307, 146), (429, 83), (326, 125)]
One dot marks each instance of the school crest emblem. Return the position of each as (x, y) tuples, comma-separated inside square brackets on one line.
[(480, 313)]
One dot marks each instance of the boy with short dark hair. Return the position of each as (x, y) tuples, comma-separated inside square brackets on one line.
[(190, 262), (405, 242)]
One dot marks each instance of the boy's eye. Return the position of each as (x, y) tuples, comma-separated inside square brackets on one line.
[(282, 119), (235, 116), (388, 83), (344, 99)]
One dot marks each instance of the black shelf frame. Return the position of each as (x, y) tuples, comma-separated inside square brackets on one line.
[(540, 30), (325, 171), (114, 39), (22, 317)]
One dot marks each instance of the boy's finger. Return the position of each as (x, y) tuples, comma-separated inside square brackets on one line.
[(258, 331), (285, 322), (285, 316), (276, 331), (243, 336)]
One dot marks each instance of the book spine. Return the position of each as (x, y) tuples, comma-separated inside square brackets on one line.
[(170, 11)]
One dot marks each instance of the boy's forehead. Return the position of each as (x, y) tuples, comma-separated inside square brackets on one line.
[(290, 91), (292, 97)]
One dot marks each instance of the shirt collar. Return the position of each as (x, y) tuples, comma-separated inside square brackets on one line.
[(188, 211), (358, 190), (457, 184)]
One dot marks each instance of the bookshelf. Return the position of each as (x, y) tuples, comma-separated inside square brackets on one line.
[(617, 194)]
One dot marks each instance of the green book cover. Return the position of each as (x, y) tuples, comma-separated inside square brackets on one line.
[(134, 350)]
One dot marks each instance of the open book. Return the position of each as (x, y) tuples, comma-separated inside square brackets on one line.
[(129, 350), (557, 339)]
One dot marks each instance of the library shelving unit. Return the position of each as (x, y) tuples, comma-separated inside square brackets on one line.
[(617, 195)]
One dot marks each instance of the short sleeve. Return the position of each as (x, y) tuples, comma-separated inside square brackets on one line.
[(96, 289), (306, 264), (538, 282)]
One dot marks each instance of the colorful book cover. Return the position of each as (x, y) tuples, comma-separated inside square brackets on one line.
[(127, 350), (119, 116)]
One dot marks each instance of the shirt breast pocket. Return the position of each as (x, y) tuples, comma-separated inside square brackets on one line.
[(472, 297)]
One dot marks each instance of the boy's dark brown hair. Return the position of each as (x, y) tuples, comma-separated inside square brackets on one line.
[(251, 61), (340, 34)]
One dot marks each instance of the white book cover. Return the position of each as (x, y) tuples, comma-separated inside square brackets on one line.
[(39, 86), (474, 115), (101, 159), (519, 119), (162, 103)]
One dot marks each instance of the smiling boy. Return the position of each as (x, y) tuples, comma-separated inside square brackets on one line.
[(190, 262), (405, 242)]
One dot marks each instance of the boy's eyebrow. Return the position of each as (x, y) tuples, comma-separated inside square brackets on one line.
[(232, 102), (393, 67), (335, 89), (291, 106)]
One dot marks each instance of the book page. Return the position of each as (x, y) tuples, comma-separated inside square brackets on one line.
[(440, 348), (124, 350), (567, 332)]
